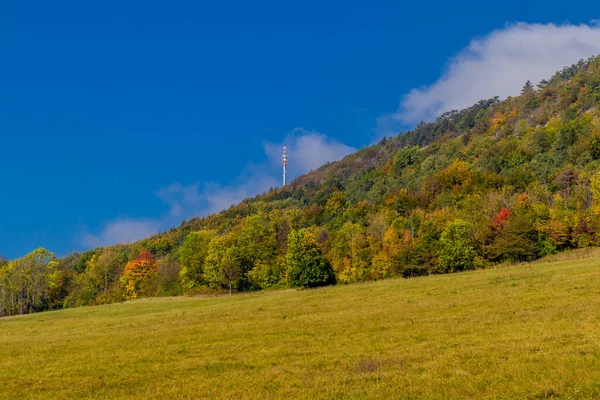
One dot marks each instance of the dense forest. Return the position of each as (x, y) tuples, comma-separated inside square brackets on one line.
[(500, 181)]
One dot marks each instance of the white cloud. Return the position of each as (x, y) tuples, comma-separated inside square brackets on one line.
[(497, 64), (307, 149), (180, 198), (123, 230), (221, 197)]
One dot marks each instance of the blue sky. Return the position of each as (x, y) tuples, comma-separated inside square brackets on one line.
[(118, 119)]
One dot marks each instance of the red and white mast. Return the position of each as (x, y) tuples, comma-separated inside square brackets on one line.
[(284, 159)]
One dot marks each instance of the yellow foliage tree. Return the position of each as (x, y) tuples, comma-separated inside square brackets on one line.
[(595, 189), (383, 261)]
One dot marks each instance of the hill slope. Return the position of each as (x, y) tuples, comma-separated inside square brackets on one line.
[(526, 331), (508, 180)]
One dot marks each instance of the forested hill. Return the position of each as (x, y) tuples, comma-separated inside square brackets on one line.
[(508, 180)]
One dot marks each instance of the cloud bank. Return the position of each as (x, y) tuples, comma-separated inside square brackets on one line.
[(497, 64), (307, 150)]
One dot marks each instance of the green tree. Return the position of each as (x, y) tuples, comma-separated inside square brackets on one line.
[(256, 241), (109, 267), (404, 157), (100, 278), (192, 255), (306, 266), (27, 283), (223, 269), (456, 250)]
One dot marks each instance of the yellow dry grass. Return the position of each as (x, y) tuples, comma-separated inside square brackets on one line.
[(525, 331)]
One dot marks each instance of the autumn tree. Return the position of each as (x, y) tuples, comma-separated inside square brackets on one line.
[(350, 253), (158, 245), (384, 261), (137, 272), (517, 241), (453, 176), (595, 192), (499, 219), (565, 180)]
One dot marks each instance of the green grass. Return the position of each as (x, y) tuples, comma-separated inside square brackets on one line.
[(526, 331)]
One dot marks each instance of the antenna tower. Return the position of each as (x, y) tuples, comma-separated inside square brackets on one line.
[(284, 159)]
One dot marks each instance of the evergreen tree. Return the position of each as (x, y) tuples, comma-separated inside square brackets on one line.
[(527, 88)]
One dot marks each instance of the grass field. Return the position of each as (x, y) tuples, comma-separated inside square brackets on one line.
[(525, 331)]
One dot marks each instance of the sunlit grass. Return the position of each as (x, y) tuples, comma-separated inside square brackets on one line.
[(526, 331)]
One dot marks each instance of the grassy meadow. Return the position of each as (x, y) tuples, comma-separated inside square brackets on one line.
[(524, 331)]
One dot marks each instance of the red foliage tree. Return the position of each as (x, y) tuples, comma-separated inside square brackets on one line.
[(499, 219)]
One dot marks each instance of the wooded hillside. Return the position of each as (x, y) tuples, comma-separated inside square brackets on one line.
[(508, 180)]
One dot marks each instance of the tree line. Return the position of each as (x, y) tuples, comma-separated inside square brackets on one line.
[(500, 181)]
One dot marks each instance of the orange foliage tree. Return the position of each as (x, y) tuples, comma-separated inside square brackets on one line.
[(137, 271)]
